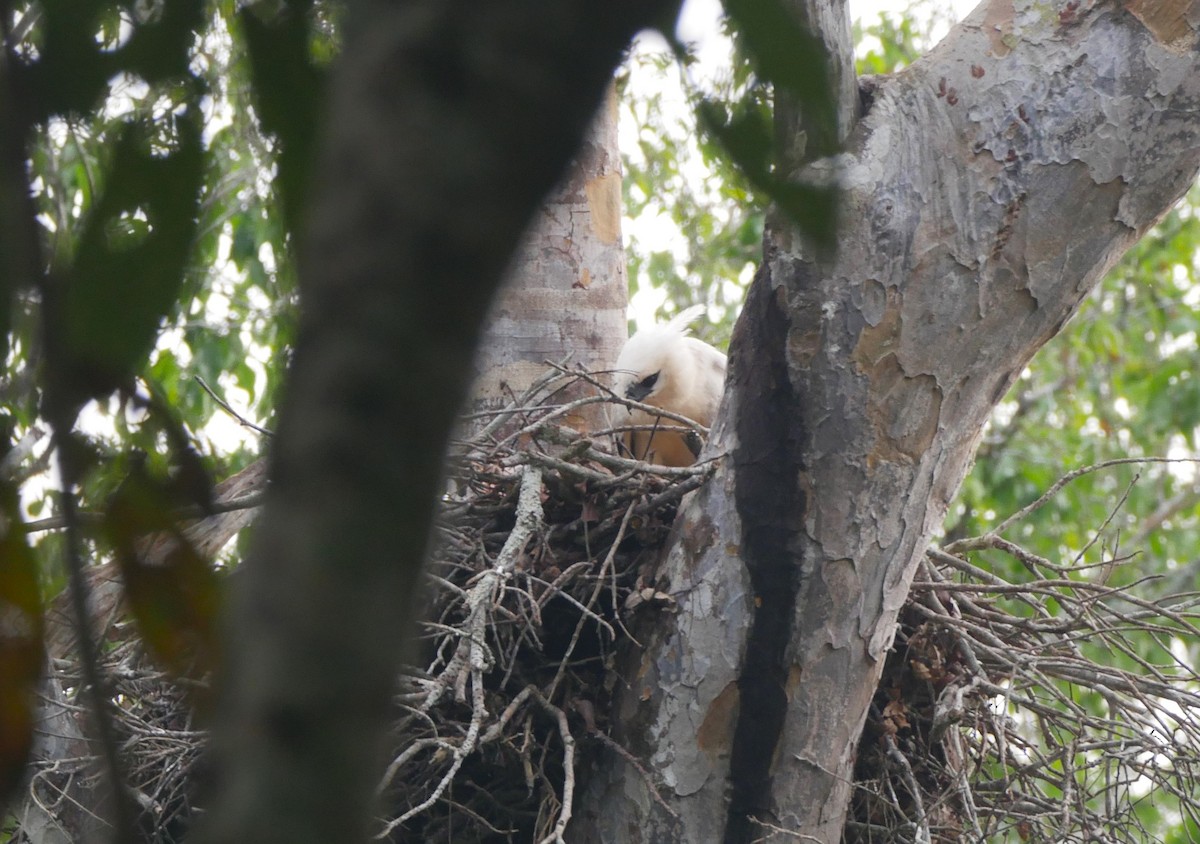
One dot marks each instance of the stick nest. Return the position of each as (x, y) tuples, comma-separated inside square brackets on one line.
[(997, 716)]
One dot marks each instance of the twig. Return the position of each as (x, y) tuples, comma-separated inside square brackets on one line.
[(460, 755), (224, 405), (519, 405), (1112, 512), (633, 762), (1041, 500), (568, 764), (472, 650), (789, 833), (898, 758), (600, 583), (407, 754), (245, 502)]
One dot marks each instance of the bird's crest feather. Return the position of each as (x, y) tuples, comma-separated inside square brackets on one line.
[(646, 351), (685, 318)]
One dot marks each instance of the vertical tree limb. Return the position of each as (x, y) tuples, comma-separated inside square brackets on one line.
[(448, 123)]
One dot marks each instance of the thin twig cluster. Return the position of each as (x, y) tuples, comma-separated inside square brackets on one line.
[(1052, 706), (154, 730)]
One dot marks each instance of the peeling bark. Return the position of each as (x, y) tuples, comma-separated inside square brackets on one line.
[(985, 193)]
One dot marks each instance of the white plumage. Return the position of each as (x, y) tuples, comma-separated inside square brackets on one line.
[(664, 367)]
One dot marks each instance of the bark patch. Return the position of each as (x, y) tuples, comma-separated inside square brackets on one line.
[(882, 334), (698, 536), (904, 410), (998, 27), (1167, 22), (715, 735), (604, 201)]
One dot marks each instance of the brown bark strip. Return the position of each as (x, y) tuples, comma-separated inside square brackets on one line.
[(1172, 23)]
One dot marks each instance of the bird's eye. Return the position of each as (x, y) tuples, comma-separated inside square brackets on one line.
[(640, 389)]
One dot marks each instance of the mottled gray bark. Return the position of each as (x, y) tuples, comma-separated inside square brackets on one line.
[(448, 123), (986, 190)]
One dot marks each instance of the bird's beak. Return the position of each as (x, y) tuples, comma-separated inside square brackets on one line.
[(637, 391)]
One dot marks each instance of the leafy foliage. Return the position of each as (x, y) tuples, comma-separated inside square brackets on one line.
[(894, 41), (790, 59), (142, 252), (696, 222), (105, 308), (709, 172)]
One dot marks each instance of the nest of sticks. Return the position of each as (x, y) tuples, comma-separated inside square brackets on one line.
[(546, 546), (996, 717), (1003, 712)]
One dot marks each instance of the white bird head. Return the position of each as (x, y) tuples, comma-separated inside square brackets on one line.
[(663, 367), (654, 358)]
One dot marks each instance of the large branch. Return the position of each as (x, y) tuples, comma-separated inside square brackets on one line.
[(986, 191), (448, 122)]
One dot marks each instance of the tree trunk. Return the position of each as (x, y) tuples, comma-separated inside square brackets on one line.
[(565, 296), (985, 191)]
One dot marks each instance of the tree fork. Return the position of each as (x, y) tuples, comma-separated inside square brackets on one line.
[(985, 193)]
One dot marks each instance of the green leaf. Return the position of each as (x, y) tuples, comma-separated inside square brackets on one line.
[(786, 54), (173, 592), (746, 136), (244, 246), (108, 306), (189, 482), (21, 652)]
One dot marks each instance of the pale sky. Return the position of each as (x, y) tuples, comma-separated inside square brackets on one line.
[(699, 17)]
